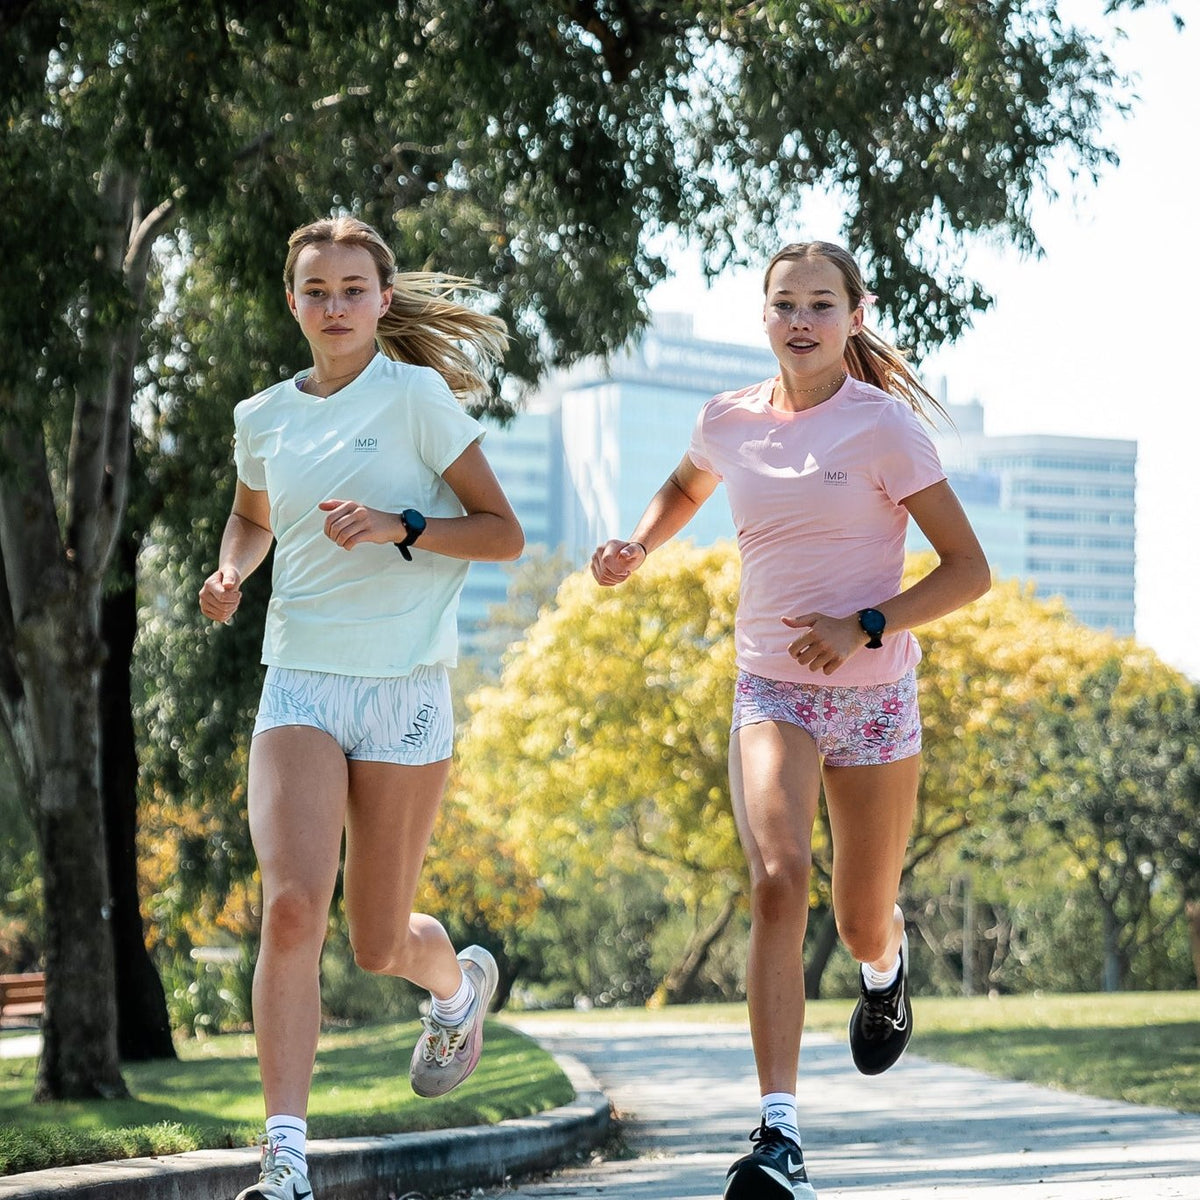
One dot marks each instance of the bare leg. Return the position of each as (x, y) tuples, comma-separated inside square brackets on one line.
[(774, 774), (390, 820), (297, 801), (870, 817)]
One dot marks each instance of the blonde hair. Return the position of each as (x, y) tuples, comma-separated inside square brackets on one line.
[(869, 357), (422, 325)]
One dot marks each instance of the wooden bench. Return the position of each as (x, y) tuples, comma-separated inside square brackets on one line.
[(22, 998)]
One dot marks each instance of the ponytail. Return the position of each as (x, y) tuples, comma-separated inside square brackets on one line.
[(876, 361), (422, 326)]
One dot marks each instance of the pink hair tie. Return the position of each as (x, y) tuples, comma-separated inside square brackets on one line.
[(868, 299)]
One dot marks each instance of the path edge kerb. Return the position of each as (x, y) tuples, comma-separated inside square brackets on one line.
[(364, 1168)]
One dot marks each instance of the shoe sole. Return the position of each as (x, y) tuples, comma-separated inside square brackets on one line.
[(757, 1184), (485, 976)]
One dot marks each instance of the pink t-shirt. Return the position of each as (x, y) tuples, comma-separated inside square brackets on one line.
[(816, 500)]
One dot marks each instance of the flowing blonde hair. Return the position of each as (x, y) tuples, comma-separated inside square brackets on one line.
[(422, 325), (869, 357)]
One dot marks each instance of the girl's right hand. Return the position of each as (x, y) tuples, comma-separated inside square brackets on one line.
[(221, 594), (615, 561)]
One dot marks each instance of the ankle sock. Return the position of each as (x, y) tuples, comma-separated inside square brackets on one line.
[(880, 981), (779, 1112), (454, 1010), (289, 1137)]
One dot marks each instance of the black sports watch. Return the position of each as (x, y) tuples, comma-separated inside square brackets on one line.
[(872, 622), (414, 526)]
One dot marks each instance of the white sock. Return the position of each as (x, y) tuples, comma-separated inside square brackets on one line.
[(453, 1011), (779, 1112), (289, 1137), (880, 981)]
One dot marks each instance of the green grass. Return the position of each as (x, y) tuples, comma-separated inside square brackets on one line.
[(1141, 1047), (211, 1098)]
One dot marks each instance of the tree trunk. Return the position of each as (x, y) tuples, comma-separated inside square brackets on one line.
[(143, 1027), (51, 713), (819, 952), (79, 1040), (1193, 924), (1111, 971), (679, 987)]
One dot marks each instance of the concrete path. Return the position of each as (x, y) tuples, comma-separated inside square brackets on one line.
[(923, 1131)]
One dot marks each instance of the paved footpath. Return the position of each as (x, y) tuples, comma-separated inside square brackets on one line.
[(923, 1131)]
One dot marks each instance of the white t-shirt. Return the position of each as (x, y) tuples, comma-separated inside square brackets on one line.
[(383, 441), (816, 501)]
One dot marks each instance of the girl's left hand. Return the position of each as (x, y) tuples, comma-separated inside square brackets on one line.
[(349, 523), (826, 642)]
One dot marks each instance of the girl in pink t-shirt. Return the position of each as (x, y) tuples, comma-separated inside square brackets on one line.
[(823, 466)]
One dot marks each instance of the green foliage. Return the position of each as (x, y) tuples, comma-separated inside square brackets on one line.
[(205, 998), (601, 753)]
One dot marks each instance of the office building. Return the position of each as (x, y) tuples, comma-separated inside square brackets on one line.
[(1060, 511)]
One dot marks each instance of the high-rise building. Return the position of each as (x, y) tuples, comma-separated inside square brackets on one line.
[(1059, 511), (580, 462)]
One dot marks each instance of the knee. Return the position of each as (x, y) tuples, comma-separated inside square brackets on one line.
[(294, 917), (779, 891), (378, 960), (867, 939), (382, 951)]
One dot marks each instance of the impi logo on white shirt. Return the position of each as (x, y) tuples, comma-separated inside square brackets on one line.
[(366, 445)]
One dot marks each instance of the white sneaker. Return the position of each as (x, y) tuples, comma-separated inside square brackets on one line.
[(446, 1054), (277, 1181)]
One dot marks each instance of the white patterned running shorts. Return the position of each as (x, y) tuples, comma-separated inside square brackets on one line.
[(405, 719)]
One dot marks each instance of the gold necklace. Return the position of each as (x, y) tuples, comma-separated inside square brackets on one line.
[(786, 392), (335, 378)]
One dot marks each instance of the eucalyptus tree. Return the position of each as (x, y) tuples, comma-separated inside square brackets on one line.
[(541, 147)]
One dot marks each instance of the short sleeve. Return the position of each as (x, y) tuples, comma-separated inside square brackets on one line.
[(906, 459), (697, 448), (442, 430), (251, 470)]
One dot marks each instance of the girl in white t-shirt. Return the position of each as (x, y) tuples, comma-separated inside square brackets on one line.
[(823, 465), (368, 477)]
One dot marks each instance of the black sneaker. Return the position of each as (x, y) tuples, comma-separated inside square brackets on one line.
[(881, 1023), (773, 1170)]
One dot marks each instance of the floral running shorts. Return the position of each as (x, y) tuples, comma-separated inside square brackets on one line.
[(406, 719), (852, 726)]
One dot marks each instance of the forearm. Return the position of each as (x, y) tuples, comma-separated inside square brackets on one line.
[(953, 583), (669, 510), (476, 537), (244, 544)]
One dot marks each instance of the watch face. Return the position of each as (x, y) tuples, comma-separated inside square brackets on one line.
[(413, 522), (872, 622)]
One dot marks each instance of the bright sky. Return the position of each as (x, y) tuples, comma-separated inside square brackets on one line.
[(1094, 338)]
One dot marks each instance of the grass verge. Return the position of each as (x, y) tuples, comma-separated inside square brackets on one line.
[(210, 1098), (1141, 1047)]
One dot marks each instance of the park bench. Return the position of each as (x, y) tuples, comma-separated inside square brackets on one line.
[(22, 998)]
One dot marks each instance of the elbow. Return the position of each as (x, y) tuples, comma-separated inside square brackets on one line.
[(512, 546), (981, 578)]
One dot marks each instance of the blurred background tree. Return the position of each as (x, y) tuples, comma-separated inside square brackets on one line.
[(1051, 754)]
